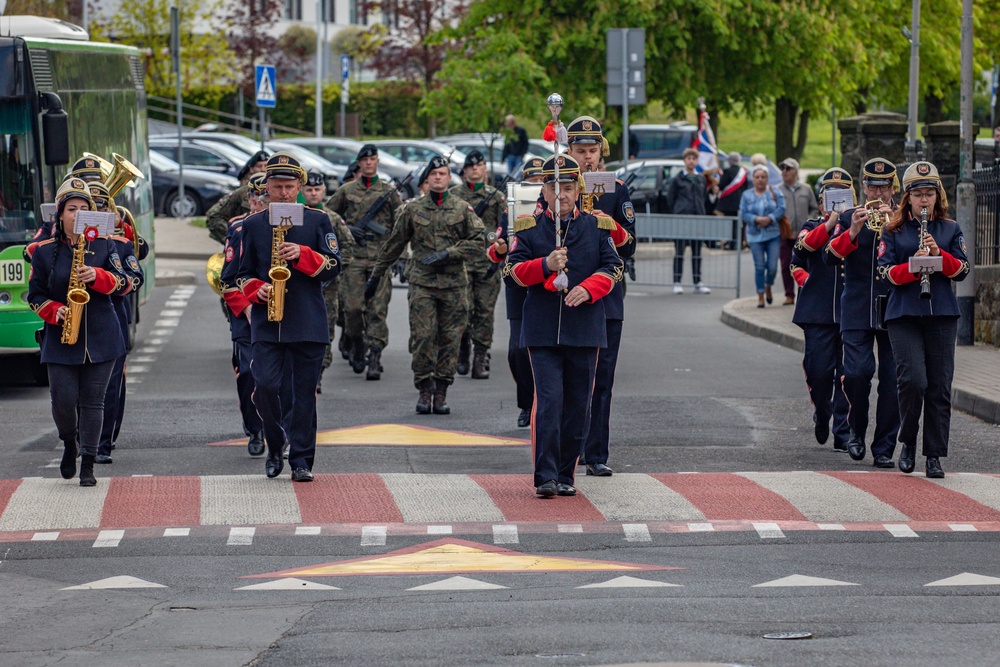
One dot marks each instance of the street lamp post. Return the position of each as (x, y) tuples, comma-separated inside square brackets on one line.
[(911, 112)]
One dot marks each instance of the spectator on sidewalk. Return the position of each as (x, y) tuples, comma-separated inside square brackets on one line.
[(513, 151), (760, 210), (800, 205), (690, 194)]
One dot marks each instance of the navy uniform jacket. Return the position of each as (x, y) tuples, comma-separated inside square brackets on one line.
[(592, 262), (862, 282), (618, 205), (820, 284), (514, 293), (239, 325), (894, 253), (101, 337), (133, 273), (305, 310)]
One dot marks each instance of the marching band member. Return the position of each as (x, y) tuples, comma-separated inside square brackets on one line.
[(290, 349), (78, 371), (562, 329), (922, 313), (817, 312), (855, 243)]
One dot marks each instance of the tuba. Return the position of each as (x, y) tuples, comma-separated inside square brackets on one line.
[(77, 297), (279, 274), (123, 173), (875, 217), (213, 272)]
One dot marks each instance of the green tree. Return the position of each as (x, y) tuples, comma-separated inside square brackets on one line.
[(489, 78), (54, 9)]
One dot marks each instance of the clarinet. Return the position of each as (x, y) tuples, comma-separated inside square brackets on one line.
[(925, 275)]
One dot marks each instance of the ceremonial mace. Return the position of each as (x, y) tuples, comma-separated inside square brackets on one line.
[(555, 105)]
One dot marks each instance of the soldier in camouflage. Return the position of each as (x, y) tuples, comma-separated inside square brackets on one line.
[(444, 235), (237, 202), (313, 192), (484, 279), (364, 318)]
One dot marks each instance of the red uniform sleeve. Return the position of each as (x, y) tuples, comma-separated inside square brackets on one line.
[(800, 276), (250, 289), (530, 272), (48, 311), (950, 265), (842, 246), (816, 239), (105, 283), (598, 286), (900, 275), (309, 262), (491, 252), (236, 301), (619, 235)]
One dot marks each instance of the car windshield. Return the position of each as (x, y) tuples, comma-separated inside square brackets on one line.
[(308, 159), (161, 162), (663, 142), (231, 153), (245, 144)]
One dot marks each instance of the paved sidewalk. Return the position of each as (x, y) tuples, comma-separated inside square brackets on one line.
[(175, 239), (975, 390)]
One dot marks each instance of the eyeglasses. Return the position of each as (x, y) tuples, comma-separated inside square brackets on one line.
[(785, 167)]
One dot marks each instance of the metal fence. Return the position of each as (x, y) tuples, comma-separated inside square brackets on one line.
[(659, 236), (987, 181)]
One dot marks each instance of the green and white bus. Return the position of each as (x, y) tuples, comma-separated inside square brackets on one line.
[(61, 95)]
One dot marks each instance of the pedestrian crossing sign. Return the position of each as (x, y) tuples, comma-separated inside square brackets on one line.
[(265, 86)]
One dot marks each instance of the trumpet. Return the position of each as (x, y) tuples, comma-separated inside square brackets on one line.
[(77, 296), (875, 216)]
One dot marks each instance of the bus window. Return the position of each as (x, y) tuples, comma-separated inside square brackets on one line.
[(17, 184)]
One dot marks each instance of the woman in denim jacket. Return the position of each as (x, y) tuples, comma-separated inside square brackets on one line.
[(760, 210)]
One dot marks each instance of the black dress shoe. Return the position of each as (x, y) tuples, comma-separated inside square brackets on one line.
[(883, 461), (840, 446), (547, 490), (274, 465), (565, 489), (302, 475), (599, 470), (524, 419), (103, 459), (822, 429), (907, 458), (856, 448), (255, 446), (934, 469)]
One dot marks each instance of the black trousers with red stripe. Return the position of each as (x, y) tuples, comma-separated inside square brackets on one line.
[(564, 385)]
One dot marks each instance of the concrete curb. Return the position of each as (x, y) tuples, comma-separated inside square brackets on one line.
[(967, 401), (186, 255), (168, 278)]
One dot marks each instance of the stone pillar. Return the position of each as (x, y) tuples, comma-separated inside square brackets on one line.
[(943, 147), (850, 145), (879, 134)]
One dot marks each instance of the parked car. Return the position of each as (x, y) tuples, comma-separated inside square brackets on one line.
[(663, 141), (199, 154), (342, 152), (417, 151), (649, 188), (466, 143), (202, 189)]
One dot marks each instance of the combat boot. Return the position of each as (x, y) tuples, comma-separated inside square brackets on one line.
[(87, 470), (440, 397), (358, 355), (426, 388), (479, 370), (344, 346), (463, 354), (374, 364)]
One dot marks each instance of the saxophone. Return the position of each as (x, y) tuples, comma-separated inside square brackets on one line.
[(279, 274), (77, 296)]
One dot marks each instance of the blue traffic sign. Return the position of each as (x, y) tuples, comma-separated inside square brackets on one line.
[(345, 67), (265, 81)]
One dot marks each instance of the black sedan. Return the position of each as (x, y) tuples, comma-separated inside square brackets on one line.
[(649, 187), (202, 189)]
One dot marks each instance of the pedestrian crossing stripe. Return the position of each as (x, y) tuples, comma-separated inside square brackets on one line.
[(405, 435), (455, 556)]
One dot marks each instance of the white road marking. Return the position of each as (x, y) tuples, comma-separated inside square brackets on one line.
[(373, 536), (240, 536), (636, 532), (439, 530), (830, 526), (161, 332), (173, 322), (966, 579), (802, 580), (768, 530), (963, 527), (142, 475), (899, 530), (700, 528), (505, 534), (137, 368), (109, 538), (288, 584), (54, 463), (142, 359), (171, 313), (630, 582), (456, 584), (45, 537), (114, 582), (155, 341), (176, 532), (150, 350), (130, 379), (308, 530), (570, 528), (175, 303)]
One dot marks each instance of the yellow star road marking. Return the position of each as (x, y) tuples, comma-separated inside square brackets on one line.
[(401, 435)]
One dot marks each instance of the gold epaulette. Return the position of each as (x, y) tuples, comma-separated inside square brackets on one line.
[(605, 222), (523, 221), (120, 238)]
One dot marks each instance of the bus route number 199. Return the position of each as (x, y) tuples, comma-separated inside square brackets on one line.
[(12, 272)]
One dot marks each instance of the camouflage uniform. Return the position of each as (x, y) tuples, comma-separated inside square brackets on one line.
[(331, 290), (438, 307), (483, 290), (365, 322), (235, 204)]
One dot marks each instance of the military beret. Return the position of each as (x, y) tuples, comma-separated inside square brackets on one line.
[(569, 169), (473, 158), (259, 156), (921, 175), (284, 165), (315, 178), (368, 150), (879, 171)]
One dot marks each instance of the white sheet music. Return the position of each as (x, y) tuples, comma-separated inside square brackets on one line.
[(599, 182), (104, 222), (49, 212), (286, 214), (839, 200)]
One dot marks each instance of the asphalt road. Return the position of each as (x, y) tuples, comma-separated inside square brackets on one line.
[(691, 396)]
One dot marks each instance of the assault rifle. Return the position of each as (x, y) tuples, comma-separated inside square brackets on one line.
[(630, 261), (367, 223)]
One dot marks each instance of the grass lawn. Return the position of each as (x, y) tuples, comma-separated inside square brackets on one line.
[(197, 222)]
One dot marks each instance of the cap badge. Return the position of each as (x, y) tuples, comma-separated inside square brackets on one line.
[(77, 184), (879, 167), (561, 161), (91, 164), (282, 160), (923, 169), (588, 126)]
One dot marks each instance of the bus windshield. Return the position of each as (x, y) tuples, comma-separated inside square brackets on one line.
[(17, 178)]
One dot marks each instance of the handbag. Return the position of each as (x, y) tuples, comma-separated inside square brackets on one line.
[(784, 224)]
